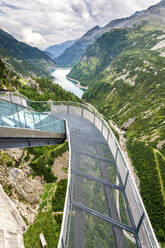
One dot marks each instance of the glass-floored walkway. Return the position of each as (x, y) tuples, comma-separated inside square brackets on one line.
[(103, 207)]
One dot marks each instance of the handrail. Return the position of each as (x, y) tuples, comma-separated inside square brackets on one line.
[(133, 187), (19, 109), (104, 123)]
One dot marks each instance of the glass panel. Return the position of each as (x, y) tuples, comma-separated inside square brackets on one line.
[(88, 231), (18, 116)]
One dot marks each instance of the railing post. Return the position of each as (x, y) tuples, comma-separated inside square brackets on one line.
[(25, 120), (67, 109), (126, 179), (54, 125), (10, 97), (94, 118), (21, 101), (102, 127), (63, 243), (140, 222), (40, 120), (1, 119), (33, 120), (108, 136), (13, 116), (18, 115), (81, 110)]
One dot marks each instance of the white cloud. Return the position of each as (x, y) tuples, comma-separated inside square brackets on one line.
[(45, 22), (33, 38)]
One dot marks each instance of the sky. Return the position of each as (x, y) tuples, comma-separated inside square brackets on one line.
[(42, 23)]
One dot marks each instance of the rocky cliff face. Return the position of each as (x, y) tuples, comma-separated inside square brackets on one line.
[(18, 182)]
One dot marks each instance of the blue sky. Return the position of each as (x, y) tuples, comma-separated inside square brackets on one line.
[(42, 23)]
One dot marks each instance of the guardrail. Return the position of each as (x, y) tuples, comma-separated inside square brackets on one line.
[(144, 228), (145, 231), (17, 111)]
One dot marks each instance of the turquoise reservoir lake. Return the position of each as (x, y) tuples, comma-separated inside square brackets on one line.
[(60, 78)]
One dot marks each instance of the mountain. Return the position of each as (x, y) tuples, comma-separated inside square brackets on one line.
[(154, 15), (24, 59), (72, 54), (56, 50), (125, 72)]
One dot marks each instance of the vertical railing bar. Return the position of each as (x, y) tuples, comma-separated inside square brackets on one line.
[(126, 179), (54, 125), (81, 110), (10, 97), (25, 120), (18, 115), (1, 119), (63, 243), (40, 121), (102, 127), (21, 101), (94, 118), (108, 136), (33, 120), (140, 222), (13, 116)]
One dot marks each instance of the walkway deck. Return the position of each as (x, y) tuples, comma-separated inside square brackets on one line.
[(94, 190), (103, 207)]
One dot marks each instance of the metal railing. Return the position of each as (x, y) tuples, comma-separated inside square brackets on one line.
[(144, 228), (17, 111)]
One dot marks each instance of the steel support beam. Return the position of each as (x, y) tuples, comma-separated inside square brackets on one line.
[(105, 218), (95, 157), (104, 182), (28, 142)]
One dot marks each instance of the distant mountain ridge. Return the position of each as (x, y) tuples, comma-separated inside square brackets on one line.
[(24, 58), (56, 50), (73, 54)]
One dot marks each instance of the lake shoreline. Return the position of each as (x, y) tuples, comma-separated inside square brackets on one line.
[(77, 83), (60, 78)]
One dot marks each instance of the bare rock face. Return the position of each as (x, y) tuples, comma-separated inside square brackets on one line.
[(60, 166), (32, 83), (128, 123), (19, 183)]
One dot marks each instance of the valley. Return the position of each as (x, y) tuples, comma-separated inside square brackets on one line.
[(119, 69)]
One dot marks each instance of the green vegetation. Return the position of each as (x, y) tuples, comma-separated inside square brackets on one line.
[(5, 159), (59, 196), (46, 222), (49, 91), (44, 158), (24, 59), (145, 166), (71, 55)]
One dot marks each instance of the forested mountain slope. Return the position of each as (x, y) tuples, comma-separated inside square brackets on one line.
[(154, 15), (58, 49), (125, 72), (27, 60)]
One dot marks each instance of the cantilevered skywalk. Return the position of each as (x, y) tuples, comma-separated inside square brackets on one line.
[(103, 207)]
